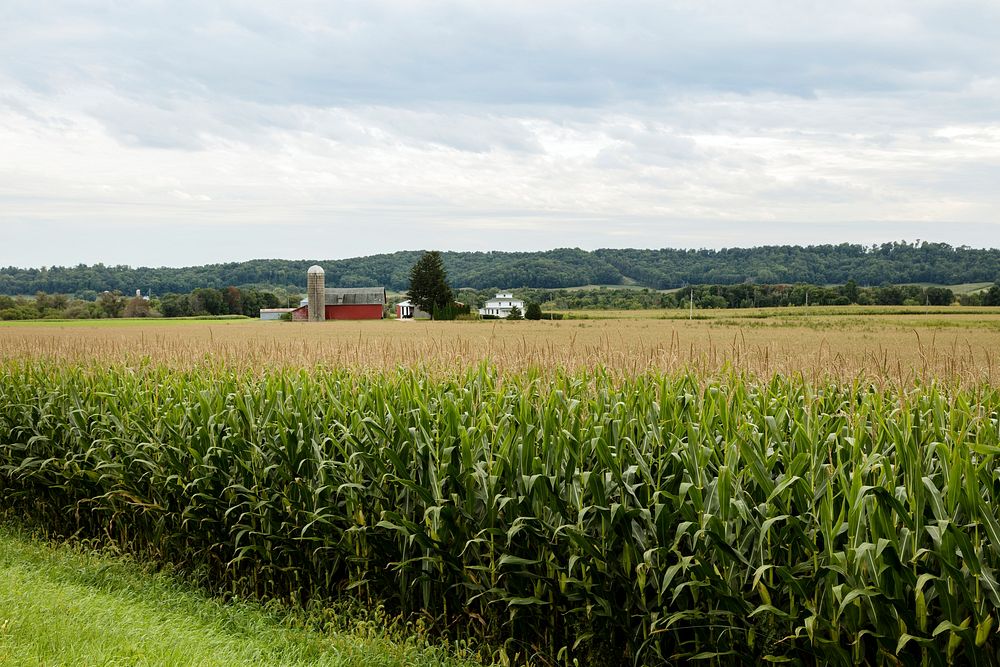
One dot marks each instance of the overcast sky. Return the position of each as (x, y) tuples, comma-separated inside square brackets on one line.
[(181, 133)]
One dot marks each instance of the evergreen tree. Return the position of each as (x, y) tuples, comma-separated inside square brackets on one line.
[(515, 314), (533, 311), (429, 288)]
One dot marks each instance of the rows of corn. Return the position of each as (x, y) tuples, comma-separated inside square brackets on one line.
[(558, 517)]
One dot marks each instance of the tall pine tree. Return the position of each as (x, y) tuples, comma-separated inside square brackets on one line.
[(429, 288)]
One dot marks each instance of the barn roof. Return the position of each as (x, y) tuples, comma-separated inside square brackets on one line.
[(336, 296)]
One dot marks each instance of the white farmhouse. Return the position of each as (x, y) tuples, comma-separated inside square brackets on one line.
[(501, 305)]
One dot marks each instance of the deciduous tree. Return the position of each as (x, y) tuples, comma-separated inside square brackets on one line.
[(992, 296), (112, 304), (137, 307)]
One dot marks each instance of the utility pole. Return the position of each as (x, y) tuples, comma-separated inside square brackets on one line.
[(691, 313)]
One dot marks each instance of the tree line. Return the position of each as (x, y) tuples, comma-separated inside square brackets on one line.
[(744, 295), (236, 301), (887, 263), (204, 301)]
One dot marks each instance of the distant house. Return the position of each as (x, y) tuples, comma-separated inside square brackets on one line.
[(273, 313), (347, 303), (406, 310), (501, 305)]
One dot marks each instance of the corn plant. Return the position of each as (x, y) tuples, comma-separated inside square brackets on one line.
[(559, 516)]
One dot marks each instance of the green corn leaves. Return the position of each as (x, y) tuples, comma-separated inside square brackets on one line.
[(578, 516)]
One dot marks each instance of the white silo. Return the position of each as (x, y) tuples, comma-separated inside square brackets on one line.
[(316, 293)]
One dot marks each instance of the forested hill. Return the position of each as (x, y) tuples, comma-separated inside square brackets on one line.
[(660, 269)]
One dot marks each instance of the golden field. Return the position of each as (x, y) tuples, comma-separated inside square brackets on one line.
[(895, 344)]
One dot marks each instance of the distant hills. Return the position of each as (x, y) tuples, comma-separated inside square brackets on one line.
[(894, 263)]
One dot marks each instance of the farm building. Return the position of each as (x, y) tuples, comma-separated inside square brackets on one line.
[(347, 303), (501, 305), (406, 310), (338, 303), (273, 313)]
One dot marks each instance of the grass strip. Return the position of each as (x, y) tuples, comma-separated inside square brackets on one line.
[(62, 605)]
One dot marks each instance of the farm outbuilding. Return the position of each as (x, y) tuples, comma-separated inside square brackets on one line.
[(338, 303), (347, 303), (273, 313), (407, 310)]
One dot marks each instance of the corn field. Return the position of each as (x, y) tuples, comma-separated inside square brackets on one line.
[(557, 516)]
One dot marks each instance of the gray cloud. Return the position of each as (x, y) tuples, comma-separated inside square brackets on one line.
[(339, 54), (562, 123)]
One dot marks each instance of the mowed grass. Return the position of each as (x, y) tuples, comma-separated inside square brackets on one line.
[(123, 322), (960, 288), (793, 312), (67, 606)]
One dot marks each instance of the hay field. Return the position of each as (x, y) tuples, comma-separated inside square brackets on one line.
[(892, 344)]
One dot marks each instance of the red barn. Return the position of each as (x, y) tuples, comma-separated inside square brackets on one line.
[(348, 303)]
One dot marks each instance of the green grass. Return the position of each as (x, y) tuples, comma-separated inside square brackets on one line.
[(829, 312), (622, 286), (66, 606), (127, 322), (961, 288)]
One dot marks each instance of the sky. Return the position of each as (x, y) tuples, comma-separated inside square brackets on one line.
[(181, 133)]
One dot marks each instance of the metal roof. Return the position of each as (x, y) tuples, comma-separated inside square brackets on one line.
[(336, 296), (509, 299)]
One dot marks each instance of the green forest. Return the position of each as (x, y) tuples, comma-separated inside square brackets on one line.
[(888, 263)]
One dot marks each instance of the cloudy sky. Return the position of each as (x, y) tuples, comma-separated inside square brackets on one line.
[(181, 133)]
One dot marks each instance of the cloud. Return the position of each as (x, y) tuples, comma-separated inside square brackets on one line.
[(457, 124), (594, 53)]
